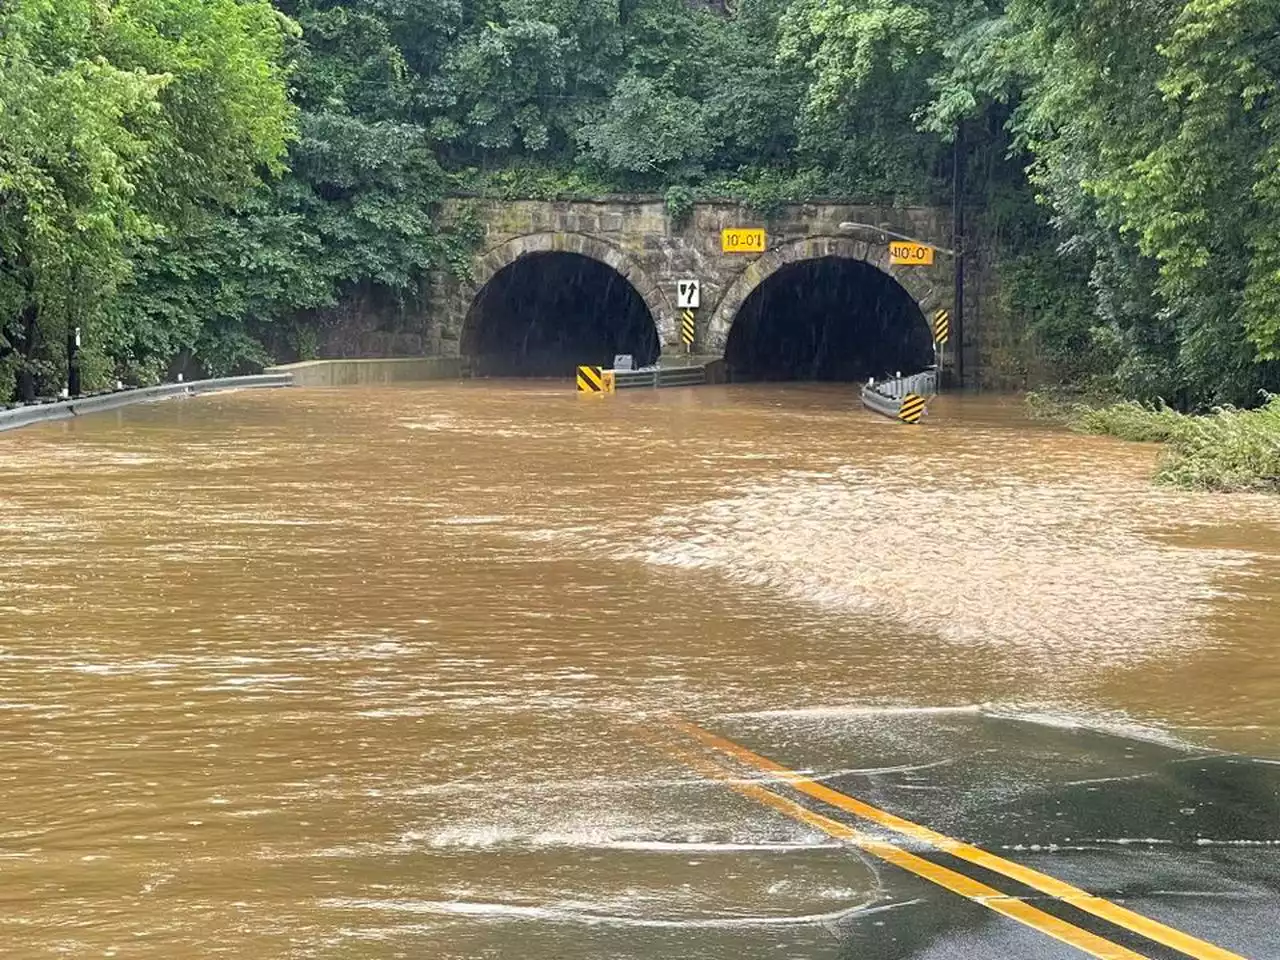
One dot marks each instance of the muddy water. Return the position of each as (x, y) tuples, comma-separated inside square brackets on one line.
[(372, 673)]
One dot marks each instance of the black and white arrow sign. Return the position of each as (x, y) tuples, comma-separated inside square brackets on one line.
[(688, 294)]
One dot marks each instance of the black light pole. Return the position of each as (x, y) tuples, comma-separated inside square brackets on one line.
[(957, 215), (73, 361), (73, 337)]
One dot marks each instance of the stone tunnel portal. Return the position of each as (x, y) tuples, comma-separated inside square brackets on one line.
[(547, 312), (831, 318)]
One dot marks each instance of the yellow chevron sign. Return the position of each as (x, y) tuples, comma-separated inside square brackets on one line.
[(912, 408), (942, 326), (595, 380)]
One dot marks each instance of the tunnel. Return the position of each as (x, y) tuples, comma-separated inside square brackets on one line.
[(546, 313), (832, 318)]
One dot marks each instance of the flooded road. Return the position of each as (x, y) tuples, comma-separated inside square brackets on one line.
[(388, 673)]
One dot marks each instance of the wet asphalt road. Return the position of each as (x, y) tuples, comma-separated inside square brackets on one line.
[(1188, 838)]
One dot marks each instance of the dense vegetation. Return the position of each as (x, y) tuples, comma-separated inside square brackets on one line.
[(195, 182), (1225, 449)]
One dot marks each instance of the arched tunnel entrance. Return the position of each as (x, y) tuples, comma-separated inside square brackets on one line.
[(548, 312), (831, 318)]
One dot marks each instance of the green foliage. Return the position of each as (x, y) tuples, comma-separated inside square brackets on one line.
[(1048, 296), (680, 202), (766, 190), (1048, 405), (112, 130), (1131, 420), (530, 181), (645, 128), (1228, 449), (356, 212), (1149, 127), (200, 181), (869, 67)]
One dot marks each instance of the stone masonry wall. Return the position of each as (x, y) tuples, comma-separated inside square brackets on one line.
[(640, 240)]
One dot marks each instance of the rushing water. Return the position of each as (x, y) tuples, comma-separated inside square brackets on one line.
[(368, 673)]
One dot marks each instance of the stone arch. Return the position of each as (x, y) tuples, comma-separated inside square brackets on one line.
[(924, 284), (488, 264)]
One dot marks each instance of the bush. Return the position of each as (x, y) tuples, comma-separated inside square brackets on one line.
[(679, 205), (1065, 404), (1130, 420), (1229, 449)]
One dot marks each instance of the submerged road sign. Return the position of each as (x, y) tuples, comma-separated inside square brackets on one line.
[(688, 327), (908, 253), (595, 380), (688, 294), (942, 326), (912, 408), (742, 240)]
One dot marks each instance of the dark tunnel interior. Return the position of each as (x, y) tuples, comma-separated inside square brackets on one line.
[(827, 319), (546, 313)]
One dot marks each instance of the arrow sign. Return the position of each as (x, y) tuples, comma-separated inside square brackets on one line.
[(688, 294)]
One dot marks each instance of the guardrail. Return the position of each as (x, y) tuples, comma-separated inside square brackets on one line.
[(924, 384), (659, 377), (902, 398), (67, 409)]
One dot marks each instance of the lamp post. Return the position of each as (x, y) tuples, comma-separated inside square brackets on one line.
[(73, 362), (73, 334)]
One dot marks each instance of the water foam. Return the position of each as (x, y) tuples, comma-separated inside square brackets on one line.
[(1044, 570), (1106, 723), (586, 914)]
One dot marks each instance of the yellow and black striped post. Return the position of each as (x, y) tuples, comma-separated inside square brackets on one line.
[(942, 326), (912, 408), (688, 328), (591, 380)]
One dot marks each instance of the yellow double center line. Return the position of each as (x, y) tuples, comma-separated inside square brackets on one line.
[(956, 882)]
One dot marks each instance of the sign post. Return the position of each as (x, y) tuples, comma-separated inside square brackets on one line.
[(73, 363), (688, 299)]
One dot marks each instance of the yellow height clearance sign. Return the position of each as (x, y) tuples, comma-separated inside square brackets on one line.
[(742, 240), (910, 254)]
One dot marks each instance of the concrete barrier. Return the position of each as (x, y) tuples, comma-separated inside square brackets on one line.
[(66, 409), (358, 373)]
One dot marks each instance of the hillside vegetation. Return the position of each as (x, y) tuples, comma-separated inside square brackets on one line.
[(193, 183)]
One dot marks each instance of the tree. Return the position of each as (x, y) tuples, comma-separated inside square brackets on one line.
[(116, 122), (1149, 126), (69, 158), (206, 179)]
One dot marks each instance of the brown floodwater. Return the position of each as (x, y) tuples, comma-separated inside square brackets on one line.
[(365, 673)]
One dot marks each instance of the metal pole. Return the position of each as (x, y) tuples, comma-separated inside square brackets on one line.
[(73, 336), (73, 362), (957, 212)]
